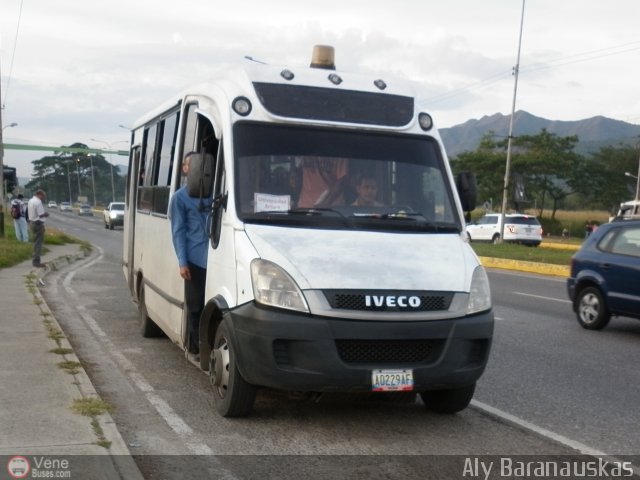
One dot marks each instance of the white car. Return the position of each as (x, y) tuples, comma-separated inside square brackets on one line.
[(65, 207), (114, 215), (53, 204), (518, 228)]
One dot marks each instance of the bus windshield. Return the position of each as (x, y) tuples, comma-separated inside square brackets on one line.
[(330, 178)]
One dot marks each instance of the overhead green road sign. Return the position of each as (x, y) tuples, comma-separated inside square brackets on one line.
[(16, 146)]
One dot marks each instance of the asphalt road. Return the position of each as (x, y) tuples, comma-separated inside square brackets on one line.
[(550, 386), (547, 369)]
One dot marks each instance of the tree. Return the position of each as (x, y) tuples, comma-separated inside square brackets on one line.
[(487, 162), (601, 180), (549, 166), (67, 176)]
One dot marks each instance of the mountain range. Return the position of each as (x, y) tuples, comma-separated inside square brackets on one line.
[(593, 133)]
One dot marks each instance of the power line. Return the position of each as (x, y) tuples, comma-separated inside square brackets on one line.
[(13, 56), (558, 62)]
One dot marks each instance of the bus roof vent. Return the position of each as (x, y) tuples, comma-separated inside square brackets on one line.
[(323, 57)]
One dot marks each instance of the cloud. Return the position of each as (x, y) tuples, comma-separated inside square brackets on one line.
[(83, 68)]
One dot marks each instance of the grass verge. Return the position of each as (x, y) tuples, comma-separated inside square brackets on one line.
[(92, 407), (13, 252), (513, 251)]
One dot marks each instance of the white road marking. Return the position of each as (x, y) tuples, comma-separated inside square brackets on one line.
[(175, 421), (556, 437), (180, 427), (561, 300)]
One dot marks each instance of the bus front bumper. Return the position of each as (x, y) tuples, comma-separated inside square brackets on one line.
[(300, 352)]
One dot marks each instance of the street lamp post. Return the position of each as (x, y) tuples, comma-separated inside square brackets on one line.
[(93, 181), (2, 192), (78, 172), (68, 181), (638, 177), (109, 146)]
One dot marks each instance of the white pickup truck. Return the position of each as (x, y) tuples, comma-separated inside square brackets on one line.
[(114, 215), (628, 211)]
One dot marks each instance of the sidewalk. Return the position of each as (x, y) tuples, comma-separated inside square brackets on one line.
[(37, 395)]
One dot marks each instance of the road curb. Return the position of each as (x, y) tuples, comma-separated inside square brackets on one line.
[(560, 246), (118, 449), (523, 266)]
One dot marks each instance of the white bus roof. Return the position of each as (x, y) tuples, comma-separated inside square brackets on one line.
[(239, 81)]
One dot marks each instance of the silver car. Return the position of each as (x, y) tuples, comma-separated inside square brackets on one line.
[(85, 209)]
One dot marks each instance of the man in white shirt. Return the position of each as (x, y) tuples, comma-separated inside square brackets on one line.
[(37, 215)]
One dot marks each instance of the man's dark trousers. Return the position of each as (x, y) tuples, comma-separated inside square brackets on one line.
[(37, 228), (194, 299)]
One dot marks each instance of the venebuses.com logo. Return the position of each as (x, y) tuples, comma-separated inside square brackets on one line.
[(18, 467)]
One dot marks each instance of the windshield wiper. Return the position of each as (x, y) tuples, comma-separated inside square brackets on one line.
[(311, 211), (417, 217)]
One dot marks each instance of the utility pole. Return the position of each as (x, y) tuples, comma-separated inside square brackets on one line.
[(1, 163), (507, 172)]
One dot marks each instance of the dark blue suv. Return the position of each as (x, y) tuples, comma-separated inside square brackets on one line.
[(605, 275)]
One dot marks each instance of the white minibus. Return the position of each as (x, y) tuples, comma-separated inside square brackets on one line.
[(337, 258)]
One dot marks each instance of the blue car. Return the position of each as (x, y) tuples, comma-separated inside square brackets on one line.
[(605, 275)]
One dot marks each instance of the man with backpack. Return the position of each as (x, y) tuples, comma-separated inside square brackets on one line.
[(19, 215)]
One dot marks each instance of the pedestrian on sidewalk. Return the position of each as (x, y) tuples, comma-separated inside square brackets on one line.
[(19, 214), (188, 216), (37, 215)]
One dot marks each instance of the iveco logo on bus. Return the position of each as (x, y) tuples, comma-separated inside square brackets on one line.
[(392, 301)]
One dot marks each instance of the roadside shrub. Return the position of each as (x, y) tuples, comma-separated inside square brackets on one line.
[(551, 226)]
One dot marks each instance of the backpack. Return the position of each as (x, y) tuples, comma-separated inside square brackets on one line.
[(15, 210)]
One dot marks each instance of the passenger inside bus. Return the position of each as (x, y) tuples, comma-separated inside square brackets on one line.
[(367, 189), (323, 182)]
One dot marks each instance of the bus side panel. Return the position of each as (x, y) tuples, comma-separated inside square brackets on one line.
[(164, 288)]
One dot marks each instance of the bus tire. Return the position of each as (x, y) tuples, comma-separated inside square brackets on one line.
[(148, 328), (233, 396), (449, 401)]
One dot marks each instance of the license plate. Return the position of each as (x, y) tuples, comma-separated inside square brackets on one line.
[(392, 380)]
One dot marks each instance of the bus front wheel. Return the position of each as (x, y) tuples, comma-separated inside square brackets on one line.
[(233, 395), (148, 328)]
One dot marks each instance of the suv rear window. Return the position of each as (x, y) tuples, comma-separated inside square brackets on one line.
[(523, 220)]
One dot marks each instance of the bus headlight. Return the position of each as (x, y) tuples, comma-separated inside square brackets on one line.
[(480, 293), (272, 286)]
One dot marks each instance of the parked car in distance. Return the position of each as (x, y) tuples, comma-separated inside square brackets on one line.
[(627, 211), (114, 215), (605, 275), (85, 209), (518, 228), (53, 204), (65, 207)]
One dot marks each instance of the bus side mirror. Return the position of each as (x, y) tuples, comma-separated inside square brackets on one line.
[(467, 190), (200, 175)]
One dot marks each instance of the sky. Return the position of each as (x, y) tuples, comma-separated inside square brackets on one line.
[(76, 70)]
